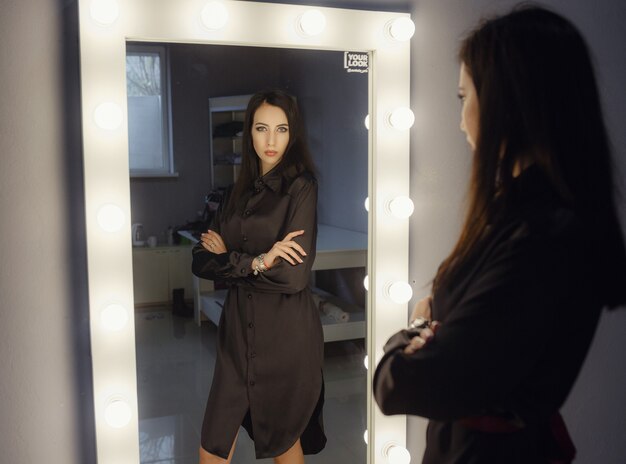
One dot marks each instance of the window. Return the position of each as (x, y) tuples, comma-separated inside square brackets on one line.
[(149, 122)]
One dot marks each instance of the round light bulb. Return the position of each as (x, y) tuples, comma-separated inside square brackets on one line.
[(367, 122), (401, 29), (117, 413), (397, 454), (108, 116), (312, 23), (214, 15), (365, 437), (104, 12), (365, 359), (401, 118), (366, 282), (400, 292), (110, 218), (114, 317), (366, 203), (401, 207)]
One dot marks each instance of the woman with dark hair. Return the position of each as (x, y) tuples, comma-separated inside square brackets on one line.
[(492, 356), (268, 372)]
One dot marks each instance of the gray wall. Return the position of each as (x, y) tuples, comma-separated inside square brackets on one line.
[(46, 399), (334, 104), (197, 73), (596, 410)]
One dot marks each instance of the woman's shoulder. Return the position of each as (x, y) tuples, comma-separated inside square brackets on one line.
[(544, 231), (300, 182), (539, 210)]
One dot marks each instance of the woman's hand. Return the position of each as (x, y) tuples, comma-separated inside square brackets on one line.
[(422, 309), (421, 340), (287, 249), (212, 241)]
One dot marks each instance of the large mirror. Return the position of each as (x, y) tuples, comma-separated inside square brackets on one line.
[(107, 27), (207, 88)]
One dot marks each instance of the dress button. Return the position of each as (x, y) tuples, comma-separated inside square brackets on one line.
[(245, 238), (249, 296), (250, 324), (243, 270), (252, 383), (253, 355), (248, 212)]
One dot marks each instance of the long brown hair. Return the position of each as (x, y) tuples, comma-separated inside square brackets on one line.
[(538, 104), (296, 160)]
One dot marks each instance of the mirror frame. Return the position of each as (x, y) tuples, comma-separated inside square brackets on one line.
[(107, 182)]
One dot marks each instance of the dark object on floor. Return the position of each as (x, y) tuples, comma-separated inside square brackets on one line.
[(179, 308)]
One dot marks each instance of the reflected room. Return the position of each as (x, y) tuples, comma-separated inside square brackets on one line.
[(186, 104)]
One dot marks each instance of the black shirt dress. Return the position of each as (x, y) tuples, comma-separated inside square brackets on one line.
[(268, 372), (516, 323)]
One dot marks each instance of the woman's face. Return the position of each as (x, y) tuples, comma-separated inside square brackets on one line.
[(270, 135), (469, 110)]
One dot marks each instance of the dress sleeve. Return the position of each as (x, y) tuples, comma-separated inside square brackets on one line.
[(225, 266), (284, 277), (236, 266), (490, 342)]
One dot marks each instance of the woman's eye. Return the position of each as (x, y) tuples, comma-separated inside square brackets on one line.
[(461, 97), (260, 128), (283, 129)]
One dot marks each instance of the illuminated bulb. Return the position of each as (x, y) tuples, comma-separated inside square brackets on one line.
[(108, 116), (114, 317), (214, 15), (366, 367), (366, 203), (110, 218), (365, 437), (400, 292), (367, 122), (401, 29), (401, 118), (117, 413), (311, 23), (397, 454), (366, 282), (104, 11), (401, 207)]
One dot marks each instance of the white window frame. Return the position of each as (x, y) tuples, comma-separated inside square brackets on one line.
[(166, 114)]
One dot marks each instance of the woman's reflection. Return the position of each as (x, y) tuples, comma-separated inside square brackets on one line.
[(268, 373)]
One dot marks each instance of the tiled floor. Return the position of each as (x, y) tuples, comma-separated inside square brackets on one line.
[(175, 360)]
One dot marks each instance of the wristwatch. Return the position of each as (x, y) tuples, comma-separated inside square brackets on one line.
[(419, 323), (259, 264)]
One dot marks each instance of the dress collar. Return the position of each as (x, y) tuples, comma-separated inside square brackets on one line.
[(272, 180)]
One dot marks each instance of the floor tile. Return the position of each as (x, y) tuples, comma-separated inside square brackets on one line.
[(175, 361)]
